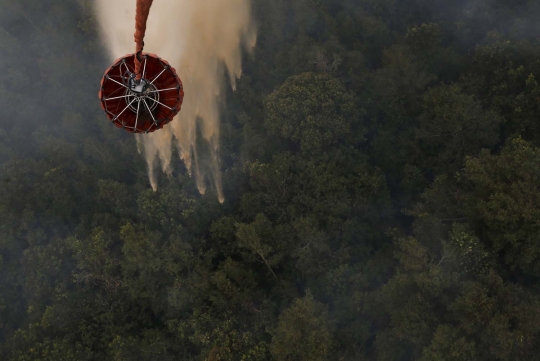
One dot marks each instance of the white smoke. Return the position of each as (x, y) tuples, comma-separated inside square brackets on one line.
[(202, 40)]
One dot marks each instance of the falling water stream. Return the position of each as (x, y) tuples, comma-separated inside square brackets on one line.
[(202, 40)]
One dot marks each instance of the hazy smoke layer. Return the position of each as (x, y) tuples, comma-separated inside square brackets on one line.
[(202, 39)]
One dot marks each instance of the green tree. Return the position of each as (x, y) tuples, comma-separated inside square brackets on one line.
[(314, 111), (304, 332), (452, 126)]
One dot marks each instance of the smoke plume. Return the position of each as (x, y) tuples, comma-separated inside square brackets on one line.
[(202, 39)]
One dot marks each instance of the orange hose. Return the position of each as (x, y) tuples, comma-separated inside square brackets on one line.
[(143, 9)]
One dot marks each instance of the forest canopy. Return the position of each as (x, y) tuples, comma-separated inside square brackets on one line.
[(381, 172)]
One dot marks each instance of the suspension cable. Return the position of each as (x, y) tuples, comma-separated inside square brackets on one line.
[(143, 9)]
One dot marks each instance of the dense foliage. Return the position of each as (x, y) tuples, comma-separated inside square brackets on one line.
[(381, 168)]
